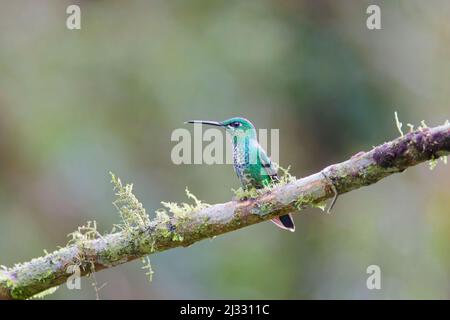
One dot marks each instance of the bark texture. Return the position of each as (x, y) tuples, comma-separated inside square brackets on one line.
[(27, 279)]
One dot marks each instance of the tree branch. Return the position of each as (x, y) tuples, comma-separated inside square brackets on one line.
[(365, 168)]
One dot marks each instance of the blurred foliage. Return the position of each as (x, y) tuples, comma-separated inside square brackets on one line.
[(76, 104)]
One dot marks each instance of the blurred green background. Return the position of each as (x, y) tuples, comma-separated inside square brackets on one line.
[(76, 104)]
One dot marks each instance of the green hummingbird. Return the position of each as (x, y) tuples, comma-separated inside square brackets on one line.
[(251, 163)]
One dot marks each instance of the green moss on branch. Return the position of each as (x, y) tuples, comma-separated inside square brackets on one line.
[(183, 225)]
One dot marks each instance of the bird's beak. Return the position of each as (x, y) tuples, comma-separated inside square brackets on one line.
[(211, 123)]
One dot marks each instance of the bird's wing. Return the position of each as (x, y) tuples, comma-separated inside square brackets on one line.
[(267, 164)]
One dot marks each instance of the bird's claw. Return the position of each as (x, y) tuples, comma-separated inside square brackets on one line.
[(333, 201)]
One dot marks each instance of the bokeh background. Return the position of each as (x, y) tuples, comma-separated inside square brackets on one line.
[(76, 104)]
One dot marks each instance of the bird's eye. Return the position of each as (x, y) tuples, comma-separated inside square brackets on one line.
[(235, 124)]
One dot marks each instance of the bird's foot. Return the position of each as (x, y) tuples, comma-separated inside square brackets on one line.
[(333, 187)]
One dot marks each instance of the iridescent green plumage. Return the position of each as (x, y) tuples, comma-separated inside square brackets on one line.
[(251, 163)]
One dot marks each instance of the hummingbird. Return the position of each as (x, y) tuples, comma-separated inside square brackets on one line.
[(251, 163)]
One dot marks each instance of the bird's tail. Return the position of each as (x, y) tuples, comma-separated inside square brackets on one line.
[(285, 222)]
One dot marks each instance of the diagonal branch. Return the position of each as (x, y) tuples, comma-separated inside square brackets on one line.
[(27, 279)]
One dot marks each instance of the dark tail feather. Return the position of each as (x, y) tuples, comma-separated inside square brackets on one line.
[(285, 222)]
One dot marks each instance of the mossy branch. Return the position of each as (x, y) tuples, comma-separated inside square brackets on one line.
[(140, 237)]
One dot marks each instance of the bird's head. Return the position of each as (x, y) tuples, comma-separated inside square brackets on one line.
[(236, 126)]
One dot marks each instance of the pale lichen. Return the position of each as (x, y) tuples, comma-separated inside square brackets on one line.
[(284, 177), (182, 212), (320, 205), (133, 219), (303, 201), (140, 236), (130, 209), (246, 193), (84, 233), (148, 267), (43, 294), (432, 163), (398, 123)]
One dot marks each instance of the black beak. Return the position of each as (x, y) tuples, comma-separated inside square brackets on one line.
[(211, 123)]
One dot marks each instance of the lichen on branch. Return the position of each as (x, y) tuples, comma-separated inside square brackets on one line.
[(178, 225)]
